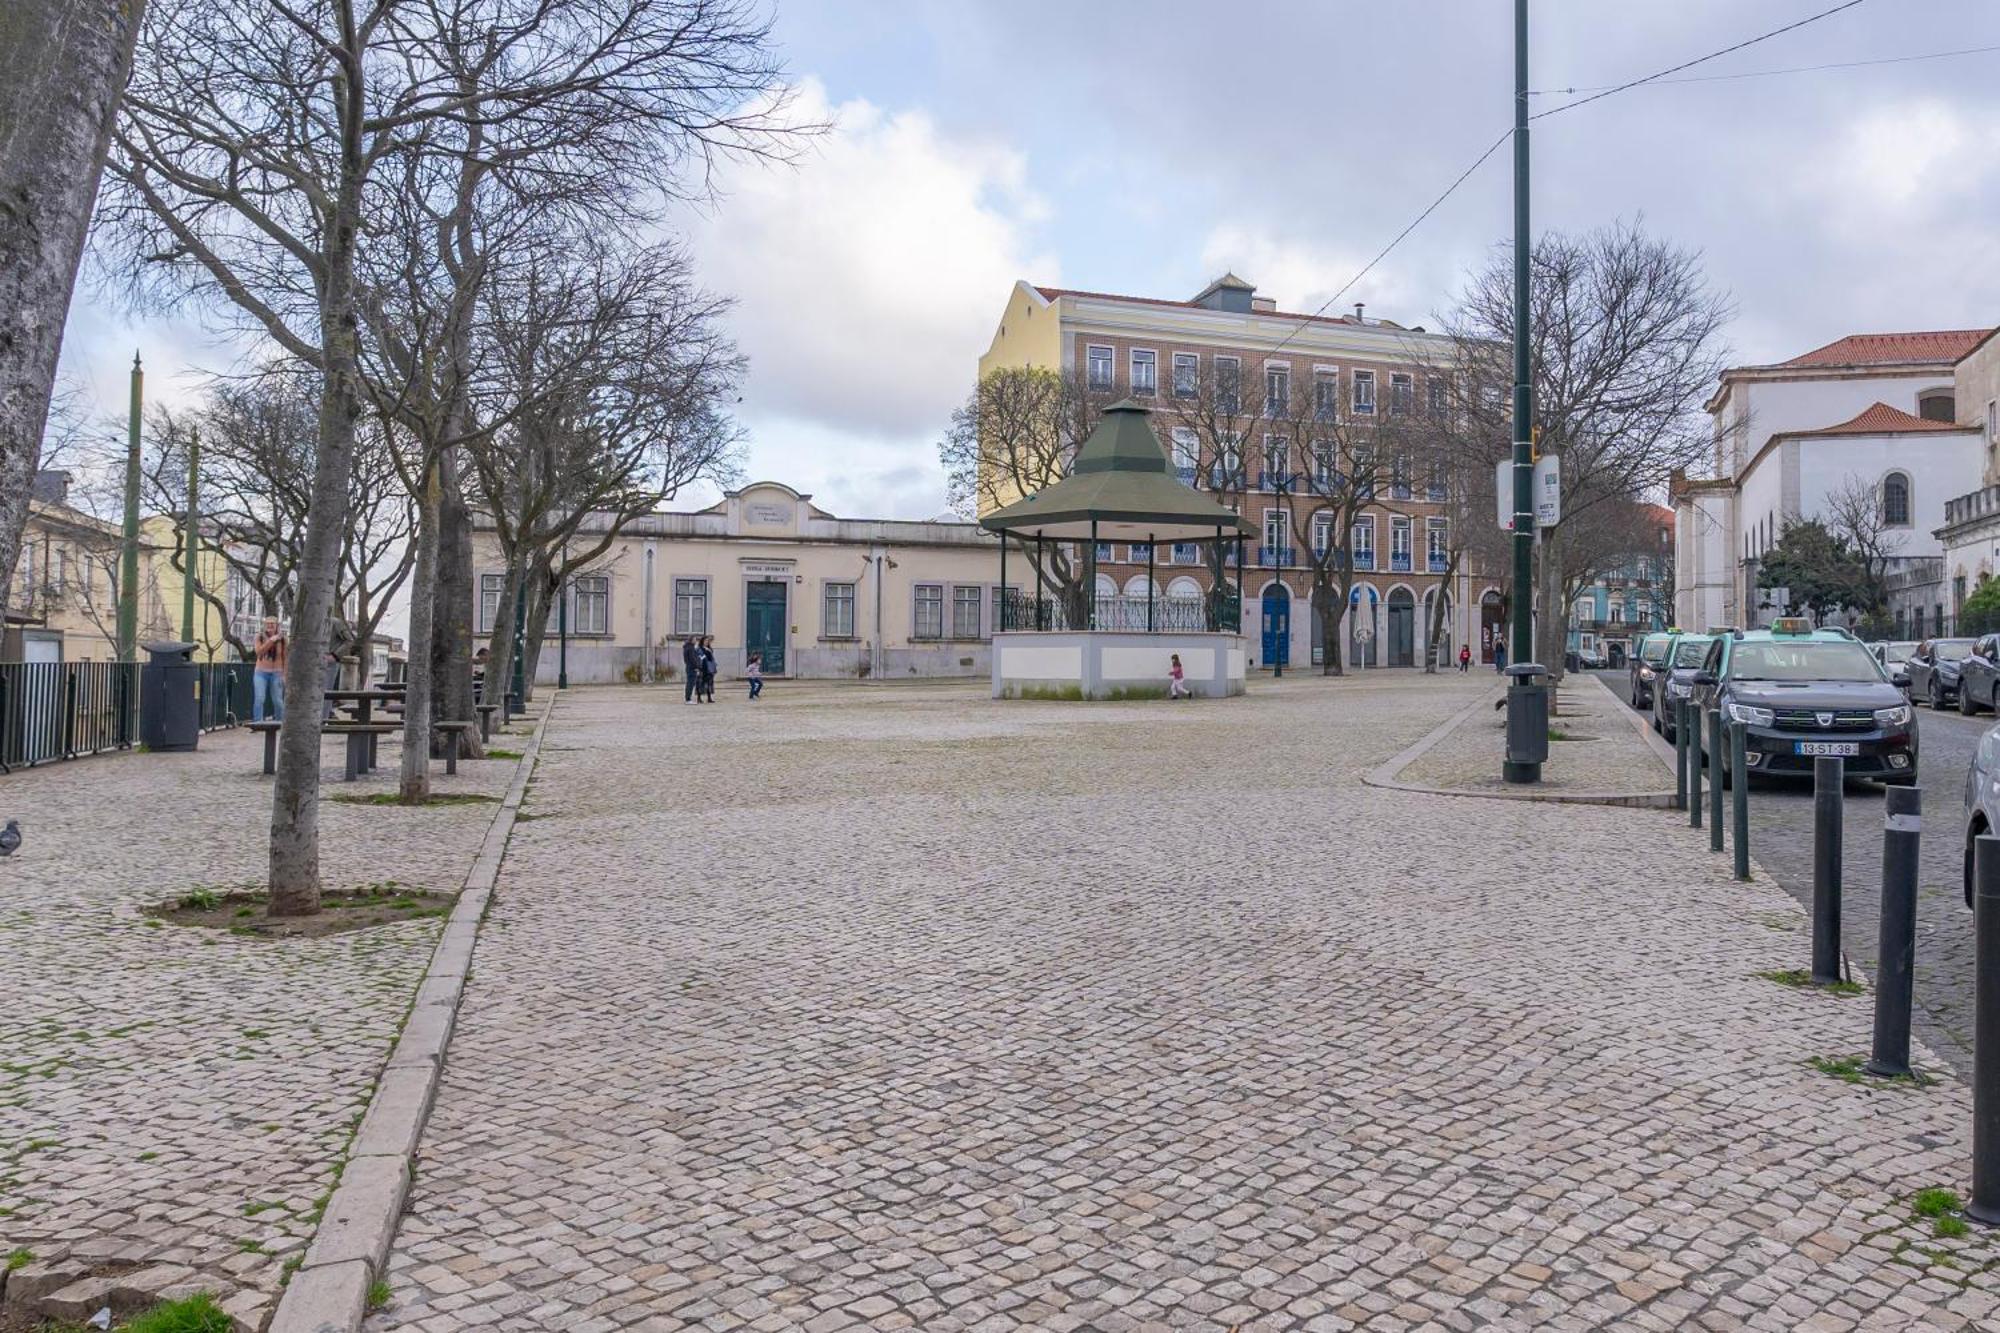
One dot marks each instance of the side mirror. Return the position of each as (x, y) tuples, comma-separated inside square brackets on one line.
[(1704, 678)]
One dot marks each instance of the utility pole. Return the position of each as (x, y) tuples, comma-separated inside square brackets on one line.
[(193, 540), (1524, 752), (128, 555)]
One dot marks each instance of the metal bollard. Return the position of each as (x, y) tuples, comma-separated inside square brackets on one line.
[(1985, 1205), (1896, 949), (1739, 773), (1829, 788), (1675, 709), (1691, 728), (1716, 766)]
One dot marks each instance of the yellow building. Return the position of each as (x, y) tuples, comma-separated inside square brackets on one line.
[(162, 586)]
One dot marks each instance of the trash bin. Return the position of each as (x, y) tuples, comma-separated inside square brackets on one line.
[(1527, 722), (169, 718)]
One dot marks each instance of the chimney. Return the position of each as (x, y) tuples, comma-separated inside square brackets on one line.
[(50, 486), (1358, 308), (1264, 304)]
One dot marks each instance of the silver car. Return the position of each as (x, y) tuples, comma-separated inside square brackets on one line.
[(1982, 797)]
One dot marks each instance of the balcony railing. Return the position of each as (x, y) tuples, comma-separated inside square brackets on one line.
[(1437, 564), (1213, 613), (1399, 562), (1277, 557)]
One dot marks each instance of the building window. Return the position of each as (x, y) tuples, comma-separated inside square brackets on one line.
[(1436, 389), (1993, 419), (1187, 452), (1326, 396), (1937, 405), (1434, 489), (1104, 555), (690, 607), (1099, 362), (1277, 461), (1145, 373), (1364, 542), (965, 613), (1277, 391), (929, 611), (1322, 534), (1402, 394), (1277, 529), (1187, 374), (1896, 500), (490, 586), (837, 611), (1399, 477), (1617, 614), (590, 611), (1364, 393), (1186, 553), (1326, 465), (1437, 545), (1399, 545), (1227, 473), (1228, 385)]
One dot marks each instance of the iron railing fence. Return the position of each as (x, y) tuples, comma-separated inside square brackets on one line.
[(223, 693), (63, 710), (1216, 613)]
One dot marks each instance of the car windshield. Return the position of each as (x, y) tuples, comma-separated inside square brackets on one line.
[(1689, 652), (1655, 651), (1897, 652), (1951, 650), (1803, 659)]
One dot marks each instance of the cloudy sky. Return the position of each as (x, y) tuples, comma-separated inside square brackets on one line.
[(1144, 149)]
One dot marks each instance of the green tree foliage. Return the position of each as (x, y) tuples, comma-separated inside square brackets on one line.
[(1817, 570)]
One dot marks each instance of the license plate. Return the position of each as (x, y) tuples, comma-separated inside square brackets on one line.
[(1827, 747)]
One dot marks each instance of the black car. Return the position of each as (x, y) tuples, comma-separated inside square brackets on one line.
[(1675, 680), (1979, 677), (1802, 694), (1934, 670), (1647, 657)]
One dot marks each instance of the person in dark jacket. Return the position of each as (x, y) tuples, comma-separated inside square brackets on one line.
[(690, 668), (707, 661)]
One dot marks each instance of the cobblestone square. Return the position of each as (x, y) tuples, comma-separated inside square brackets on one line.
[(897, 1008)]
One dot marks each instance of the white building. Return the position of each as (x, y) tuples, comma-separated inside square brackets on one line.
[(1876, 410), (1970, 533)]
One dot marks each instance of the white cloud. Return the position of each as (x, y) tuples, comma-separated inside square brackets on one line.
[(868, 279), (1302, 274), (1899, 163)]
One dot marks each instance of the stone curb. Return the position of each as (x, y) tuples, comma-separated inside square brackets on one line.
[(350, 1248), (1385, 775)]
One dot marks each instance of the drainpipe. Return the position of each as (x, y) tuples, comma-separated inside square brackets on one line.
[(646, 651), (875, 672)]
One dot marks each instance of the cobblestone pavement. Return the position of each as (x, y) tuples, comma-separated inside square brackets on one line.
[(181, 1096), (903, 1009), (1600, 753)]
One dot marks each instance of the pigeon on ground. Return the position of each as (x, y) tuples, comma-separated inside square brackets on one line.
[(10, 838)]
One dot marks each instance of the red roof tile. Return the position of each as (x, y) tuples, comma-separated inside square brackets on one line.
[(1874, 349), (1882, 419)]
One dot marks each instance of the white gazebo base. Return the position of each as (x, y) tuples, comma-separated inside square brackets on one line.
[(1113, 664)]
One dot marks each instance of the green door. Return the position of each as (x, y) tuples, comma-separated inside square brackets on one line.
[(764, 625)]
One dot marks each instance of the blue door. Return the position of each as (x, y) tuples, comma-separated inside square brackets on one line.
[(1277, 625), (764, 627)]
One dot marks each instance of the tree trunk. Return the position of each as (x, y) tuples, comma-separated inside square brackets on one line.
[(415, 782), (536, 631), (500, 646), (451, 613), (63, 65), (1331, 606), (1552, 618)]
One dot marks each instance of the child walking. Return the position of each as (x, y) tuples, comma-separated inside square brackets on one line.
[(755, 671), (1177, 686)]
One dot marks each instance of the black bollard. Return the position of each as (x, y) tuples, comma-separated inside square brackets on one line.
[(1896, 947), (1691, 728), (1829, 779), (1675, 708), (1715, 772), (1739, 774), (1985, 1205)]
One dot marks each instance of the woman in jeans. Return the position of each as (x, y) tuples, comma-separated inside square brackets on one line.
[(267, 683)]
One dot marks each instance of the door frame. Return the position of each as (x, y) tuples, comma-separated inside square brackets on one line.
[(1275, 593), (784, 584)]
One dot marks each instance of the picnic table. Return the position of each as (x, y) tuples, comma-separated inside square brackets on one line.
[(361, 703)]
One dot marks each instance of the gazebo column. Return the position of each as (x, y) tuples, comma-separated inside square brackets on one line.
[(1149, 583), (1002, 617), (1090, 580)]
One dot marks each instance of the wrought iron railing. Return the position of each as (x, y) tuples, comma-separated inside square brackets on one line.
[(62, 710), (1206, 614), (222, 693)]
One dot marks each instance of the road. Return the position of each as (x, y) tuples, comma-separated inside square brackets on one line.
[(1781, 841)]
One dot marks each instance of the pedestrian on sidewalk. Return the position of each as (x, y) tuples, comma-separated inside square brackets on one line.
[(1499, 658), (1177, 686), (1464, 658), (690, 667), (267, 682), (705, 664), (755, 671)]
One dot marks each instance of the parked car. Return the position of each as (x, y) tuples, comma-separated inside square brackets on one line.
[(1894, 655), (1979, 677), (1802, 694), (1647, 656), (1982, 797), (1685, 654), (1591, 659), (1933, 669)]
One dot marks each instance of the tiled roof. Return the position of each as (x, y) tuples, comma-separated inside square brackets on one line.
[(1882, 419), (1875, 349), (1051, 293)]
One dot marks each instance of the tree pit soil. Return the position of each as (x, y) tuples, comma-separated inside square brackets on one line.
[(243, 912)]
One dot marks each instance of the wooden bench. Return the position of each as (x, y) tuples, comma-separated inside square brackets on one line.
[(453, 733), (486, 712), (270, 732), (360, 743)]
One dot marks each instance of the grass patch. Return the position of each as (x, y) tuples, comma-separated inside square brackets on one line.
[(378, 1294), (1941, 1207), (1853, 1069), (1800, 979), (202, 898), (1045, 693), (494, 752), (391, 798), (244, 913), (19, 1259), (197, 1314)]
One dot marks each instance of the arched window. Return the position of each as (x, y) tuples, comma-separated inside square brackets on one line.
[(1937, 405), (1896, 500)]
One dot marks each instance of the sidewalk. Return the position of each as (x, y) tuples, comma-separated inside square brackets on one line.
[(854, 1010), (175, 1098)]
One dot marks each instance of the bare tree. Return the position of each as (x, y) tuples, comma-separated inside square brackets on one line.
[(63, 64), (1626, 339), (1857, 510), (258, 139)]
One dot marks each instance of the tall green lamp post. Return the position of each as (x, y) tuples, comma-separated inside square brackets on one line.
[(1527, 732)]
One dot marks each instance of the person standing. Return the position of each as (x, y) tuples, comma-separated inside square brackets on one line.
[(1499, 657), (1177, 686), (690, 667), (706, 664), (267, 682), (755, 671), (1464, 658)]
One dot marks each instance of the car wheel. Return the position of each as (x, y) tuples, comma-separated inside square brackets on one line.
[(1936, 699), (1966, 708)]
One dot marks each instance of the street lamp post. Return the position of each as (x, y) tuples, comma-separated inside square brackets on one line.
[(1524, 750), (562, 636)]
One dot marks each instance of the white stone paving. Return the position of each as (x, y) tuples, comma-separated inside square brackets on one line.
[(898, 1008)]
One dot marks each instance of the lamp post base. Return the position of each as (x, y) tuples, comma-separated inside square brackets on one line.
[(1520, 773)]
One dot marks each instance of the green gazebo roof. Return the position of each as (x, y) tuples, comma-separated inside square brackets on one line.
[(1124, 483)]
